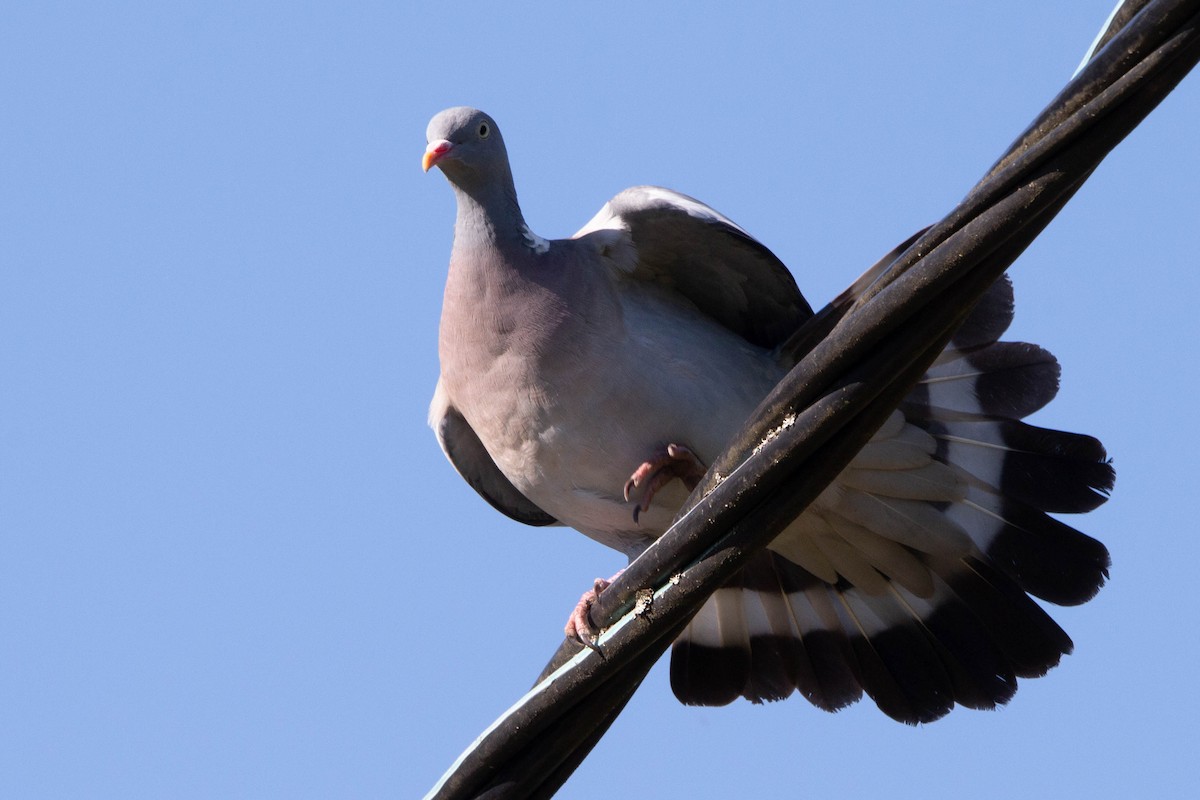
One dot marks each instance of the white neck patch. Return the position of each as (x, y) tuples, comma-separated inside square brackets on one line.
[(535, 242)]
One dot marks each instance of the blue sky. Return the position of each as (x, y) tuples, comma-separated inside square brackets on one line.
[(233, 562)]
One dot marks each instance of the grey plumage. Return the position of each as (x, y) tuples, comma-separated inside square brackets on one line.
[(566, 364)]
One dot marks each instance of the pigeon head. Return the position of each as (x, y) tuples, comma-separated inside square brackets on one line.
[(466, 144)]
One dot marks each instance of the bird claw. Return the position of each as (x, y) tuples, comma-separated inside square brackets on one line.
[(673, 461), (579, 625)]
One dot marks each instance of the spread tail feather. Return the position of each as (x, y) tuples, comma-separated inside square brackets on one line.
[(910, 577)]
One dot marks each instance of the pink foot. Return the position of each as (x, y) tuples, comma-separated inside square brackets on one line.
[(674, 461), (579, 625)]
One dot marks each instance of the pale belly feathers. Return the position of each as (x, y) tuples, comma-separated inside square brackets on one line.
[(608, 401)]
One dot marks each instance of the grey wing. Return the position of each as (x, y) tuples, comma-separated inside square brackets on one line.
[(468, 455), (679, 242)]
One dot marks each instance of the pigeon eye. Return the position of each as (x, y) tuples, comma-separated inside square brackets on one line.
[(484, 130)]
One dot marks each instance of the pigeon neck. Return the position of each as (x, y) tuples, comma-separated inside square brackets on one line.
[(489, 213)]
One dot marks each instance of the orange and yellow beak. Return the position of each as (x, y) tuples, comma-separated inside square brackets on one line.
[(435, 152)]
